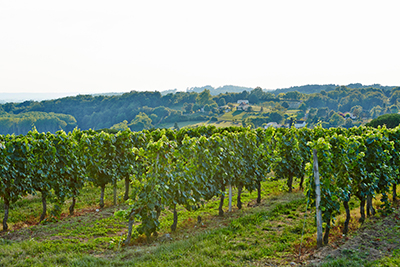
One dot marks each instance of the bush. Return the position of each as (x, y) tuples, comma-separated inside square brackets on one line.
[(213, 119), (390, 120)]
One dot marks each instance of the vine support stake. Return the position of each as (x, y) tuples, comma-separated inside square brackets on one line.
[(230, 197), (318, 200)]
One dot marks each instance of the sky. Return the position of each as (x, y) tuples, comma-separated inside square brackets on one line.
[(94, 46)]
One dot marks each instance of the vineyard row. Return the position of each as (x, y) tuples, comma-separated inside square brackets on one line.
[(165, 168)]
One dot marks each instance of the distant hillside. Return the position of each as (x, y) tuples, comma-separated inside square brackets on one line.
[(21, 97), (220, 90), (306, 89), (145, 110), (43, 121), (317, 88)]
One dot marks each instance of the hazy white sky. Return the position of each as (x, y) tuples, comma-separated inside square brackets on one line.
[(90, 46)]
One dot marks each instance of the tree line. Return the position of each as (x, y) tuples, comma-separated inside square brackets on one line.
[(145, 110), (44, 122)]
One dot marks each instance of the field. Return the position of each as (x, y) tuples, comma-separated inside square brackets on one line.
[(232, 118), (276, 232)]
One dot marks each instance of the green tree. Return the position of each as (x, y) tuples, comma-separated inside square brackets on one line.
[(294, 95), (336, 120), (141, 121), (188, 107), (253, 98), (323, 112), (393, 109), (303, 107), (196, 107), (300, 114), (356, 110), (154, 119), (376, 111), (373, 99), (278, 107), (390, 120), (120, 126), (348, 123), (161, 112), (221, 102), (281, 96), (275, 116), (285, 104), (204, 98), (395, 96)]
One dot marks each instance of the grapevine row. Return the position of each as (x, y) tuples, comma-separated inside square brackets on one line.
[(165, 168)]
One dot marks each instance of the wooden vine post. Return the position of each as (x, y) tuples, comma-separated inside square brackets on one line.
[(230, 197), (318, 200)]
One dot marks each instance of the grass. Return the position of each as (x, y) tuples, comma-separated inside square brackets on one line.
[(374, 243), (232, 118), (181, 124), (273, 232), (237, 115), (26, 212), (95, 237), (219, 123)]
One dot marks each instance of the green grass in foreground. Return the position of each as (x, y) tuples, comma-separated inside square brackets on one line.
[(361, 258), (376, 243), (266, 232), (257, 235)]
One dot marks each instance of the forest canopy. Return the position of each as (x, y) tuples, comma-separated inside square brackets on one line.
[(44, 122)]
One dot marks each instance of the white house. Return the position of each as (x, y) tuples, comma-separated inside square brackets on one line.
[(226, 108), (243, 106), (246, 102), (300, 124), (273, 124)]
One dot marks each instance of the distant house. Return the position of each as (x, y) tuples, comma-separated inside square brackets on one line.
[(243, 106), (223, 107), (300, 124), (226, 108), (243, 101), (350, 115), (273, 124)]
